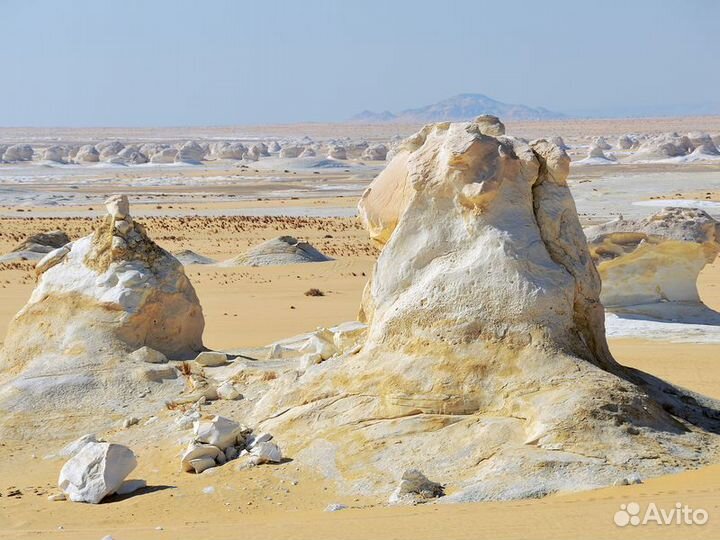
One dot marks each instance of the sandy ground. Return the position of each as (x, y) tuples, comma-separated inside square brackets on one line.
[(255, 306)]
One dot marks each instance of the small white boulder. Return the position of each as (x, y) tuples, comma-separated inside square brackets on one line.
[(95, 472)]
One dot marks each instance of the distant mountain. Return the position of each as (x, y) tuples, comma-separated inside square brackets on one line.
[(460, 107)]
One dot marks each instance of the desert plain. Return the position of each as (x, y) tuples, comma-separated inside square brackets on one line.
[(220, 209)]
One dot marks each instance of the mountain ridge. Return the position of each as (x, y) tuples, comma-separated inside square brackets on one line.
[(459, 107)]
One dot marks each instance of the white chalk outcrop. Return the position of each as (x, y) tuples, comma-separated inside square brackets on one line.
[(291, 151), (665, 146), (336, 151), (280, 250), (36, 247), (190, 152), (97, 300), (485, 361), (18, 152), (375, 152), (226, 150), (109, 149), (96, 471), (54, 153), (165, 155), (87, 154), (655, 260)]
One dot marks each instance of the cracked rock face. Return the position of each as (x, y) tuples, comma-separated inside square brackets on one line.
[(485, 363), (655, 259), (97, 300)]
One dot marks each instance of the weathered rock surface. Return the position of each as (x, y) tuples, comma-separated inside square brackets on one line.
[(96, 471), (656, 259), (190, 152), (376, 152), (280, 250), (37, 246), (54, 153), (106, 296), (166, 155), (485, 361), (87, 154), (291, 151), (414, 488), (18, 152)]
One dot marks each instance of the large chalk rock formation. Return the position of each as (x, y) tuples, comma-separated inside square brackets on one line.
[(655, 260), (485, 364), (97, 300)]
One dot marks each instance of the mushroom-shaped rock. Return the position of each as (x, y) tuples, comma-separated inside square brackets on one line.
[(485, 325), (18, 152), (96, 471), (655, 259), (109, 294), (308, 152), (280, 250), (273, 147)]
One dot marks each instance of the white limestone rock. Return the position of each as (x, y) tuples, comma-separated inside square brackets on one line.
[(627, 142), (87, 154), (96, 471), (265, 452), (228, 391), (166, 155), (291, 151), (54, 153), (37, 246), (190, 152), (18, 152), (656, 259), (148, 355), (227, 150), (109, 149), (414, 488), (376, 152), (336, 151), (220, 432), (485, 360), (211, 359), (106, 296)]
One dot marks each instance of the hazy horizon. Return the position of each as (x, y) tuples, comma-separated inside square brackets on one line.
[(182, 63)]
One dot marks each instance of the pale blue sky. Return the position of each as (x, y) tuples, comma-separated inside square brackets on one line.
[(215, 62)]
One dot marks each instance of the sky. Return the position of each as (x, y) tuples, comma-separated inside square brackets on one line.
[(221, 62)]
